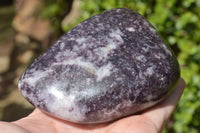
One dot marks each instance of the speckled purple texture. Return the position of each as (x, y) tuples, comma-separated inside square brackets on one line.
[(112, 65)]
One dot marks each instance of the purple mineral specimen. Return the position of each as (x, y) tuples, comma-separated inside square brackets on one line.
[(109, 66)]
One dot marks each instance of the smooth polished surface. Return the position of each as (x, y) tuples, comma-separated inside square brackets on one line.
[(112, 65)]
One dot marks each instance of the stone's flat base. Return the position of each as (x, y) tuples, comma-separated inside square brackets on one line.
[(111, 65)]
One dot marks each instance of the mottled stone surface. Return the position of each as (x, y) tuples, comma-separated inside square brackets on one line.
[(111, 65)]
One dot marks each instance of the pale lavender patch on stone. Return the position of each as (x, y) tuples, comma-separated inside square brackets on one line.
[(112, 65)]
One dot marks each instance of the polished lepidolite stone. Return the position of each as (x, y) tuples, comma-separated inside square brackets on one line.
[(111, 65)]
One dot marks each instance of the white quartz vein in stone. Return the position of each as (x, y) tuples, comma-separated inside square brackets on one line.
[(54, 90), (141, 58), (104, 51), (159, 56), (131, 29), (117, 35), (81, 40), (100, 72), (149, 71), (38, 75), (152, 30), (166, 49), (63, 108)]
